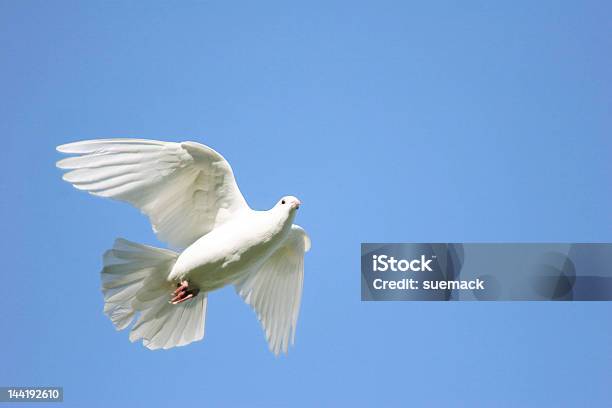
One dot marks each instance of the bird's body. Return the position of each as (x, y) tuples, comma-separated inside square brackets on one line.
[(189, 193), (227, 254)]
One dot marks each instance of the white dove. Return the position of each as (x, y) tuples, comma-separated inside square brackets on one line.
[(189, 193)]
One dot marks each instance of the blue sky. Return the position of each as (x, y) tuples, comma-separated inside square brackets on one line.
[(392, 121)]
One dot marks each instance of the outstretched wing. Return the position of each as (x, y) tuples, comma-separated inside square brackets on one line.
[(186, 189), (275, 290)]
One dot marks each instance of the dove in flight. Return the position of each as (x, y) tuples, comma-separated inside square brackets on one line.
[(189, 193)]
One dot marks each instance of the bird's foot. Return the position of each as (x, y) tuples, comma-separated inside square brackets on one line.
[(184, 292)]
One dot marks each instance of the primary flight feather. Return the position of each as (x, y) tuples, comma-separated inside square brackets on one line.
[(189, 193)]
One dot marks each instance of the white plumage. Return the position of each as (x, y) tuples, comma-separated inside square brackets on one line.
[(189, 193)]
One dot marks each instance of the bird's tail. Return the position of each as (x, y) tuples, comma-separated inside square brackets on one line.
[(134, 282)]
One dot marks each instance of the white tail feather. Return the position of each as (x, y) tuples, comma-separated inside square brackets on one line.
[(134, 281)]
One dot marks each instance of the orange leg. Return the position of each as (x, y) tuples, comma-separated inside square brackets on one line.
[(184, 292)]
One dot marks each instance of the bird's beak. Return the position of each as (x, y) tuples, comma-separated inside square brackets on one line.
[(296, 204)]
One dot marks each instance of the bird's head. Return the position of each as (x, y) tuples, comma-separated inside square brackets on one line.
[(289, 203)]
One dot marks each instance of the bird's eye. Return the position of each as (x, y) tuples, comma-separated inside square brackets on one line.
[(283, 202)]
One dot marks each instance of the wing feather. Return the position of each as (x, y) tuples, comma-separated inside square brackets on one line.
[(186, 189), (275, 290)]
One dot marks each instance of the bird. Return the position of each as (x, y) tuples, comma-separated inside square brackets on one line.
[(190, 195)]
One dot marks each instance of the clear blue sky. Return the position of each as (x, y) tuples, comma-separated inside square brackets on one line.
[(484, 121)]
